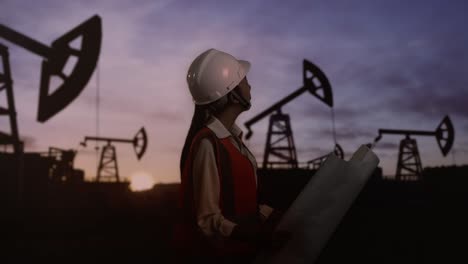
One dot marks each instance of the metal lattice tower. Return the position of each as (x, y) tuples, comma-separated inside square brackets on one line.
[(280, 150), (280, 143), (108, 169), (6, 84), (409, 167), (56, 57)]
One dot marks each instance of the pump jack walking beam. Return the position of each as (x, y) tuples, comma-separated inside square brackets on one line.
[(108, 168), (280, 144), (55, 59), (409, 166)]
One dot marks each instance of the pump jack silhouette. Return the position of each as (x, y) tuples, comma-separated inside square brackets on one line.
[(279, 129), (409, 165), (55, 58), (108, 169), (51, 101)]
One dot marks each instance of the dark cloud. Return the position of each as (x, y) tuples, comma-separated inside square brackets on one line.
[(311, 151), (348, 133), (343, 114), (387, 146), (387, 155)]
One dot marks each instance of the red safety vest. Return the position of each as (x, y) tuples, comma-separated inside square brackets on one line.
[(238, 198)]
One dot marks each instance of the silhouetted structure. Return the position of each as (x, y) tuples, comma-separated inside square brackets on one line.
[(279, 129), (55, 60), (6, 83), (315, 163), (391, 221), (108, 169), (62, 169), (409, 165)]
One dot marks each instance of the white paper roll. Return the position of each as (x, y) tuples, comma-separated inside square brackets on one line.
[(319, 208)]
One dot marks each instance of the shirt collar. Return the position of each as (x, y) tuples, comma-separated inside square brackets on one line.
[(221, 131)]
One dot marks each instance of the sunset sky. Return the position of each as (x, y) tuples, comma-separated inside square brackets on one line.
[(391, 64)]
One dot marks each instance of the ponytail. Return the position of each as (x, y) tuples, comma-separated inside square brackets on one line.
[(199, 119)]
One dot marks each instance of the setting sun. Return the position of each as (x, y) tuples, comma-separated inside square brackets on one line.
[(140, 181)]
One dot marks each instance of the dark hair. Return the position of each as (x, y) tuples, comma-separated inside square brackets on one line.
[(199, 119), (201, 115)]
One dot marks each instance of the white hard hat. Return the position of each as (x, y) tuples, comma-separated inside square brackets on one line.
[(213, 74)]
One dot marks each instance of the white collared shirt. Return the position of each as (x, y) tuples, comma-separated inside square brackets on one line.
[(206, 181)]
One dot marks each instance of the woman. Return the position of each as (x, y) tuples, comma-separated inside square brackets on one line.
[(221, 215)]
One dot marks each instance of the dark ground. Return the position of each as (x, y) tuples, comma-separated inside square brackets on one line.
[(390, 222)]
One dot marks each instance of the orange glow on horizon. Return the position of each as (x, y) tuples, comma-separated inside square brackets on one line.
[(141, 181)]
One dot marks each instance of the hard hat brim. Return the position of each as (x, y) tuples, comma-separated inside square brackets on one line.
[(245, 66)]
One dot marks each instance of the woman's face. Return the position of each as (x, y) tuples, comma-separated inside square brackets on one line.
[(244, 89)]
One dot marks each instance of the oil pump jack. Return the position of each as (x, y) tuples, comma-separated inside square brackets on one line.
[(108, 169), (409, 165), (279, 129), (52, 100), (55, 58)]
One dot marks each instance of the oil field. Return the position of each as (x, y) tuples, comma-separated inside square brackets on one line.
[(53, 211)]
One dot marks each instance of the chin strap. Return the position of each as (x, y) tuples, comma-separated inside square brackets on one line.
[(246, 104)]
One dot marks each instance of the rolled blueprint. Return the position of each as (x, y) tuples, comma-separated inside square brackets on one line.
[(319, 208)]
